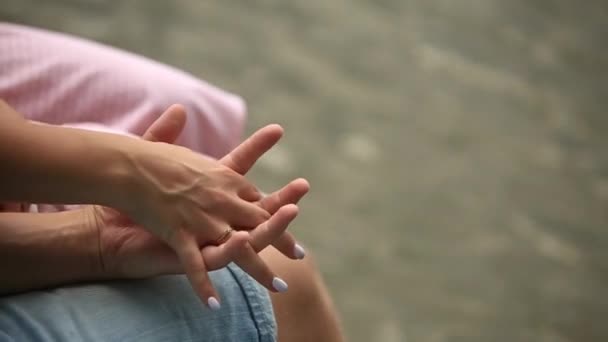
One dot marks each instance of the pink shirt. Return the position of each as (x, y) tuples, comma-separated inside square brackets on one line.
[(64, 80)]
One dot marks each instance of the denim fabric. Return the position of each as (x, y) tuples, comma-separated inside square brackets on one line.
[(159, 309)]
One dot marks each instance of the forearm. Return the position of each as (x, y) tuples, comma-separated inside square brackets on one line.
[(53, 164), (45, 250)]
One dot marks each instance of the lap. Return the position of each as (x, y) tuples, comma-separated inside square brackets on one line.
[(59, 79), (159, 309)]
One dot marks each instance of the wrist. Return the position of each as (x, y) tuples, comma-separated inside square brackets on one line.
[(44, 250), (113, 181), (75, 245), (64, 165), (91, 236)]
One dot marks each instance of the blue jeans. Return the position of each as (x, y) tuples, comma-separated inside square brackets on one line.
[(159, 309)]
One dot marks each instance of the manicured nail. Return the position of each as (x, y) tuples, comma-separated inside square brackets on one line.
[(299, 251), (279, 284), (213, 304)]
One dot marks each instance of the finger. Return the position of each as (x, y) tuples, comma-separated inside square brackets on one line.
[(250, 262), (208, 230), (168, 126), (239, 249), (242, 158), (290, 193), (217, 257), (191, 258), (249, 193), (274, 232), (289, 247), (240, 213), (267, 232)]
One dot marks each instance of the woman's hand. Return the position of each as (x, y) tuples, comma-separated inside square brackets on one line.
[(179, 191), (188, 200), (185, 199), (126, 250), (126, 243)]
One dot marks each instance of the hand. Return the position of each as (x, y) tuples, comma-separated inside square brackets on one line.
[(127, 250), (188, 201), (180, 195)]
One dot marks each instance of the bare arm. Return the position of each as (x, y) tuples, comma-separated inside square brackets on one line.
[(183, 198), (52, 164), (44, 250), (97, 243)]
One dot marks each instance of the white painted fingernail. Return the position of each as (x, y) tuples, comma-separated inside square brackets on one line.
[(279, 284), (299, 251), (213, 303)]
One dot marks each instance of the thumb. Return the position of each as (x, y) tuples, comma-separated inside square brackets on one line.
[(168, 126), (242, 158)]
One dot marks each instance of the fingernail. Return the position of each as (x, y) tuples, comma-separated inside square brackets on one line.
[(279, 284), (299, 251), (213, 303)]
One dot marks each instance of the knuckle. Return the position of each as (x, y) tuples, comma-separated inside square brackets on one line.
[(199, 269), (227, 174), (217, 197), (263, 215), (196, 269), (244, 251), (236, 180)]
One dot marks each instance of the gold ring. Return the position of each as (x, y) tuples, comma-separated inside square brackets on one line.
[(224, 237)]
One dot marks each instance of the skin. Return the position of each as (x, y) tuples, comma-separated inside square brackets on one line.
[(96, 242), (306, 312), (127, 248), (179, 196)]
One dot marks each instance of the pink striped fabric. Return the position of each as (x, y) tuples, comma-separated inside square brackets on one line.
[(63, 80)]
